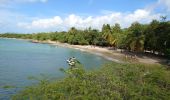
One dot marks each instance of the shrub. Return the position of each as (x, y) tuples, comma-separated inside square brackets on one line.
[(112, 82)]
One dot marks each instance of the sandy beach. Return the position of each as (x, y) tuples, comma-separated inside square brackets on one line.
[(106, 52)]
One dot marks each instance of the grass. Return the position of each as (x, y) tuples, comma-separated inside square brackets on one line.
[(112, 81)]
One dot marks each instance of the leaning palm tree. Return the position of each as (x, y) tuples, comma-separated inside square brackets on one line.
[(107, 34)]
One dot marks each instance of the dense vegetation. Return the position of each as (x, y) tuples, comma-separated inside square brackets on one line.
[(112, 82), (153, 37)]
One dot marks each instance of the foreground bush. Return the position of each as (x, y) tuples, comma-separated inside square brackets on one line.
[(112, 82)]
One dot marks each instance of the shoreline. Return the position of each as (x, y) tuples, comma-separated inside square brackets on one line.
[(84, 48), (105, 52)]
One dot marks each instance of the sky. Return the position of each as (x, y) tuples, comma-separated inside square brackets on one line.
[(30, 16)]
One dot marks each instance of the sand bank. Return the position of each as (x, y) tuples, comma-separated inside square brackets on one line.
[(106, 52)]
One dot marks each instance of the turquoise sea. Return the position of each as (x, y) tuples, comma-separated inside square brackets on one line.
[(20, 59)]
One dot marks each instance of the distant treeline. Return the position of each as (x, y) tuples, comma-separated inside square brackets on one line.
[(153, 37)]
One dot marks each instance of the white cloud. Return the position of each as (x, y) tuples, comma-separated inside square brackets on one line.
[(8, 19), (125, 19), (166, 3), (42, 23), (12, 21)]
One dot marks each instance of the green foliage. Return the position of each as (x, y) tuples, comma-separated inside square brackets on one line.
[(135, 38), (153, 37), (112, 82), (167, 53), (158, 36), (108, 35)]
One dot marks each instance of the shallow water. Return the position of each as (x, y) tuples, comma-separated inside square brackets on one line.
[(20, 59)]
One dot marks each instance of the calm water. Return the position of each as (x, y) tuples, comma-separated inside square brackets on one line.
[(21, 59)]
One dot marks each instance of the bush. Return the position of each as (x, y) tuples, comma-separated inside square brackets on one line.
[(112, 82)]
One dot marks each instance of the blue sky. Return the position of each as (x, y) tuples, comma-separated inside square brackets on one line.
[(27, 16)]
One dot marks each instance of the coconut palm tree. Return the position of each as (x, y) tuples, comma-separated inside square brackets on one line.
[(107, 34), (136, 37)]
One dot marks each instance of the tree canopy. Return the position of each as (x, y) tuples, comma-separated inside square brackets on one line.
[(153, 37)]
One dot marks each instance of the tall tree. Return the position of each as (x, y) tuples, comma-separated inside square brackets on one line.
[(151, 36), (107, 34), (117, 34), (136, 37)]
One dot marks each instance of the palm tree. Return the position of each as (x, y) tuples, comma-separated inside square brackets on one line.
[(136, 37), (107, 34)]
